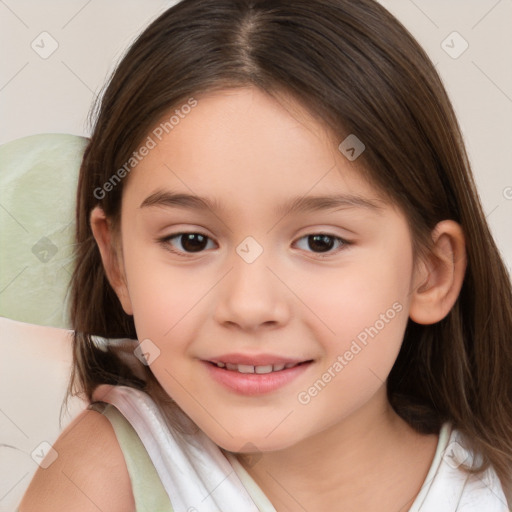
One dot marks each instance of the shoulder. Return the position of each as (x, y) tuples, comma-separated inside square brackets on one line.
[(450, 486), (89, 473)]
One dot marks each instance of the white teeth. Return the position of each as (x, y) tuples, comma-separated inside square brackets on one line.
[(263, 369), (245, 368), (248, 368)]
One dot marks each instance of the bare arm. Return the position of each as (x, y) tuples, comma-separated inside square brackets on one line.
[(89, 474)]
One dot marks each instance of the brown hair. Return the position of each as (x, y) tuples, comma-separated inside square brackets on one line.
[(357, 68)]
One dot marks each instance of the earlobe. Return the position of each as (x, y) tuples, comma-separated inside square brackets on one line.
[(112, 262), (440, 278)]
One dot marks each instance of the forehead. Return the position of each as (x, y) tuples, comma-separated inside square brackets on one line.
[(245, 146)]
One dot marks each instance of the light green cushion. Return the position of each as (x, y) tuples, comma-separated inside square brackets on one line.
[(38, 179)]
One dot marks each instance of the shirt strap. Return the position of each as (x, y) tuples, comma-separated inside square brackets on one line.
[(148, 491)]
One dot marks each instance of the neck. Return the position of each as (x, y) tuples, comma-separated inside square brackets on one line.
[(356, 462)]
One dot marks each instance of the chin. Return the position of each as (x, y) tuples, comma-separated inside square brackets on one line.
[(252, 442)]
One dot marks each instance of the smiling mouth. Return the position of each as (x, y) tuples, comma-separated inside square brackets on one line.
[(259, 369)]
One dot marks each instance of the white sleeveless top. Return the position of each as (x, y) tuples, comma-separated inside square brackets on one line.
[(198, 477)]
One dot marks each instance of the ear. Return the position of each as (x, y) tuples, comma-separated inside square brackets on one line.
[(439, 279), (111, 256)]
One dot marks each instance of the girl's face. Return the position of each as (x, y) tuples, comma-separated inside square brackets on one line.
[(267, 274)]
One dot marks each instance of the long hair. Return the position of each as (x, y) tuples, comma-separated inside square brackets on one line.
[(355, 67)]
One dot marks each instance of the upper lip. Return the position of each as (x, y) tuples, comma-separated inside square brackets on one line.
[(255, 360)]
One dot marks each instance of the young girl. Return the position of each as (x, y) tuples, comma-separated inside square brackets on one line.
[(286, 295)]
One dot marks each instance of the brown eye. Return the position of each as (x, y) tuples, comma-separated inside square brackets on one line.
[(186, 242), (193, 242), (322, 243)]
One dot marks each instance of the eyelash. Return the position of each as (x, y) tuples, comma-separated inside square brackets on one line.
[(165, 242)]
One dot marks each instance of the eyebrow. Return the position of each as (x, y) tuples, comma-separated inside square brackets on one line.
[(301, 204)]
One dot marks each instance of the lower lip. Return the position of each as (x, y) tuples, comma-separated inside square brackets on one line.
[(252, 384)]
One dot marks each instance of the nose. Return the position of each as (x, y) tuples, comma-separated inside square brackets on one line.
[(251, 297)]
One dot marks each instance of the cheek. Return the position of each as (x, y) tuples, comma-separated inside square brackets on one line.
[(166, 320), (160, 293), (161, 296), (369, 291)]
